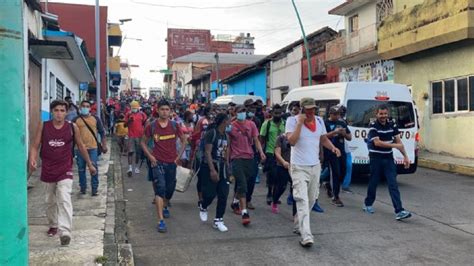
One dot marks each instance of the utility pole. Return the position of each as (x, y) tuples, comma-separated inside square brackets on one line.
[(308, 57), (216, 56), (13, 183), (97, 59)]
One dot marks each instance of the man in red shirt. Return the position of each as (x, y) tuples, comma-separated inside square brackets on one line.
[(163, 158), (135, 121), (243, 135)]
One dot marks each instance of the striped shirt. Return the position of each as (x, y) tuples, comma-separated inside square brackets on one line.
[(385, 133)]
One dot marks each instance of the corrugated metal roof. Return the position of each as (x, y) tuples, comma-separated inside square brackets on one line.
[(224, 58)]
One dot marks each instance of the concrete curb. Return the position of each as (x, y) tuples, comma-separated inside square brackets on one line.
[(116, 247), (446, 167)]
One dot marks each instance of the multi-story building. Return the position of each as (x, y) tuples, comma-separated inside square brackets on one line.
[(355, 50), (432, 43), (243, 44), (275, 75), (189, 72), (126, 79), (80, 19)]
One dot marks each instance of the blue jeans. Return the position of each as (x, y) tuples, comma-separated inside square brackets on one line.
[(386, 167), (81, 165), (164, 179), (347, 179)]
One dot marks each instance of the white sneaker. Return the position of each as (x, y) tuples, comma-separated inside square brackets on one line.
[(130, 171), (137, 170), (219, 225), (203, 214)]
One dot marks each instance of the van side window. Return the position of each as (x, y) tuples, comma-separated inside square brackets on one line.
[(361, 112), (323, 107)]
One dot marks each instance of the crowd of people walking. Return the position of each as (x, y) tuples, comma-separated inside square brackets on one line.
[(225, 146)]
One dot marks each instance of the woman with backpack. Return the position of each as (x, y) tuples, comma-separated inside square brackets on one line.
[(213, 170)]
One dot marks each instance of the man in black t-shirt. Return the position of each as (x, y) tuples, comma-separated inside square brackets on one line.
[(213, 170), (338, 132)]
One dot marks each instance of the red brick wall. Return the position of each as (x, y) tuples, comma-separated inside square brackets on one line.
[(226, 71), (182, 42), (221, 47), (318, 64)]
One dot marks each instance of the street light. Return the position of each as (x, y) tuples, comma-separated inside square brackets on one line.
[(216, 56), (310, 79), (97, 58), (124, 20), (127, 38)]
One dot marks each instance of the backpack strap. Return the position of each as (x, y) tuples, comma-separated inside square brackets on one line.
[(73, 137), (174, 124)]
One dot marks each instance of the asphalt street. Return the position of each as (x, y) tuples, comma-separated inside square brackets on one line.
[(441, 231)]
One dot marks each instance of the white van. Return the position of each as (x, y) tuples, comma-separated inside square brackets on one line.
[(237, 99), (361, 99)]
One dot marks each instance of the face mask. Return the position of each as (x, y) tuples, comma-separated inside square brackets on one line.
[(134, 110), (84, 111), (276, 119), (228, 128), (241, 116), (250, 114), (92, 101)]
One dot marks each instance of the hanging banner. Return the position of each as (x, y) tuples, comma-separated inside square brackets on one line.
[(377, 71)]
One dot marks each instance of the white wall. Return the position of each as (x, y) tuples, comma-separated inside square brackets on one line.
[(61, 72), (286, 72), (367, 15)]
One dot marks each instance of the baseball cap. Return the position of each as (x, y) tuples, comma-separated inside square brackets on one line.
[(335, 109), (248, 102), (307, 103), (134, 104)]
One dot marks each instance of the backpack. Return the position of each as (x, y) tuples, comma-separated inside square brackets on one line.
[(201, 151)]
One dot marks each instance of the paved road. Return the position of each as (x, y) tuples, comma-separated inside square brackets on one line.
[(440, 233)]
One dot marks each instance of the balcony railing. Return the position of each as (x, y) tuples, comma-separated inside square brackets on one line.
[(365, 39)]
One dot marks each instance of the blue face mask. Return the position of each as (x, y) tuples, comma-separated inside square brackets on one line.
[(228, 128), (85, 111), (250, 114), (241, 116)]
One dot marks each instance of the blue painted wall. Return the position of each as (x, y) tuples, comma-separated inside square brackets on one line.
[(45, 115), (255, 81)]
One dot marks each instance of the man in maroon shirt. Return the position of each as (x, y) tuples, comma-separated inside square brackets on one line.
[(163, 158), (135, 121), (243, 135), (56, 139)]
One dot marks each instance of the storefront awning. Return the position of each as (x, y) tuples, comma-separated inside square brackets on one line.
[(115, 78), (50, 49), (77, 64)]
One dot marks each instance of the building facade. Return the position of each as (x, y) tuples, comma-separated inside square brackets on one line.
[(80, 19), (354, 52), (432, 43)]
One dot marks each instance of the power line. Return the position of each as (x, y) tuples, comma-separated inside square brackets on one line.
[(198, 7)]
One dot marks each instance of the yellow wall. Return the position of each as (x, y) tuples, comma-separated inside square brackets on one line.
[(400, 5), (452, 134)]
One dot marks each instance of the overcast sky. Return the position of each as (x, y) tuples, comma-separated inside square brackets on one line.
[(272, 22)]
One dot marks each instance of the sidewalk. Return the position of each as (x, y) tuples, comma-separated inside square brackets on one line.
[(446, 163), (89, 214)]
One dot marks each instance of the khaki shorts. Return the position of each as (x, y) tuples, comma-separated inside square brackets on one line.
[(133, 145)]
